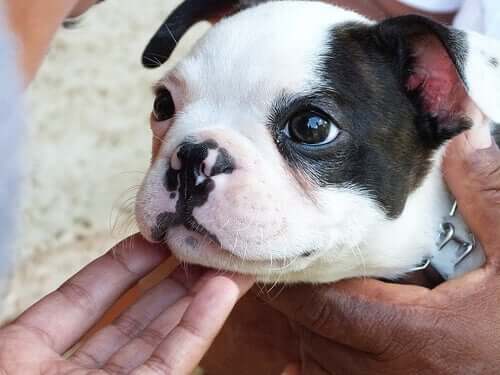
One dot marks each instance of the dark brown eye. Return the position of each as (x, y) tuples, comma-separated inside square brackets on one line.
[(164, 107), (311, 128)]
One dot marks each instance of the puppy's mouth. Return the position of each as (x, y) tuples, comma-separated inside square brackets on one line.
[(170, 220), (195, 248), (191, 242), (191, 189)]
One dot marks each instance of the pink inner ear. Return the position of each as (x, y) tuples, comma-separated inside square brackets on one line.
[(443, 91)]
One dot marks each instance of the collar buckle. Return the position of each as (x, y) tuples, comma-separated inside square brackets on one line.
[(452, 243)]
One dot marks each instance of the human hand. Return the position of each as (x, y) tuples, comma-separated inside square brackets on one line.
[(371, 327), (167, 331)]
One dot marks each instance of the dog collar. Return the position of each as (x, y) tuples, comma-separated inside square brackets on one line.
[(456, 251)]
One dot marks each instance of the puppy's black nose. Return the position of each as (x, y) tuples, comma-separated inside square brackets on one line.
[(193, 165), (191, 158), (204, 159)]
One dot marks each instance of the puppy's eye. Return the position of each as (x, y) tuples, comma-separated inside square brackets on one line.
[(311, 128), (164, 107)]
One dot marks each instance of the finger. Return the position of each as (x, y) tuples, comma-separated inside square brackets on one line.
[(256, 337), (472, 170), (127, 342), (63, 316), (186, 344), (104, 343), (292, 369), (362, 313), (322, 356), (137, 351), (313, 368)]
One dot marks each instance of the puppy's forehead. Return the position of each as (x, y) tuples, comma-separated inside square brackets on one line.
[(270, 48)]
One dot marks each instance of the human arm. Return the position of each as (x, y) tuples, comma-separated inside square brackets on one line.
[(34, 23), (166, 331), (369, 326)]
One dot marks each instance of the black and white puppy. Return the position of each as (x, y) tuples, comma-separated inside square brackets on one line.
[(303, 142)]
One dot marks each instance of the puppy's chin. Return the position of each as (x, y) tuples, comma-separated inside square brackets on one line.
[(194, 248)]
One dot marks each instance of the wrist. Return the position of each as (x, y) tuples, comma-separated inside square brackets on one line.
[(34, 23)]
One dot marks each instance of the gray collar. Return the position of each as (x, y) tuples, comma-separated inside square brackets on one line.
[(457, 251)]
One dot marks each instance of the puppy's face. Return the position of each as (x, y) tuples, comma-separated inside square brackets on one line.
[(291, 134)]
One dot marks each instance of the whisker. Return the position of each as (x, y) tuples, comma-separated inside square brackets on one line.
[(121, 207), (283, 287), (359, 255), (171, 34)]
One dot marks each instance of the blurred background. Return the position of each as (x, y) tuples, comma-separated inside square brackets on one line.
[(87, 145)]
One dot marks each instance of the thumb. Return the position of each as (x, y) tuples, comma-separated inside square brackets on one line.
[(292, 369), (363, 314), (471, 169)]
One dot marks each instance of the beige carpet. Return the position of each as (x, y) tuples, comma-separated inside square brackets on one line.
[(88, 145)]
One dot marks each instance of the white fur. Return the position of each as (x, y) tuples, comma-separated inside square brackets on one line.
[(262, 216)]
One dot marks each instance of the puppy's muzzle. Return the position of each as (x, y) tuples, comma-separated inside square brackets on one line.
[(190, 178), (193, 166)]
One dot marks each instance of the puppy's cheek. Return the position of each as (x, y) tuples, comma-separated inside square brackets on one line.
[(252, 220), (159, 130), (153, 200), (156, 145)]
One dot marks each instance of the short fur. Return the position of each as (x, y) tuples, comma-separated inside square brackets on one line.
[(368, 203)]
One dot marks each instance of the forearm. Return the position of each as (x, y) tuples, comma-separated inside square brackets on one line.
[(34, 22)]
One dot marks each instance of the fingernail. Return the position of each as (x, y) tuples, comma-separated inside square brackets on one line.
[(244, 282), (479, 137)]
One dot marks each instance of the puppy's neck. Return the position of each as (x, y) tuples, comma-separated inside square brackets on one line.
[(413, 235)]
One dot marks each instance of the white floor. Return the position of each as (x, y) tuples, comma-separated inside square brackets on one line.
[(88, 145)]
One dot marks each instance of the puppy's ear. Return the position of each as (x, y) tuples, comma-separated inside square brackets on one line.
[(453, 75), (187, 14)]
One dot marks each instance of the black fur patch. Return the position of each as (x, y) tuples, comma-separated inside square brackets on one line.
[(188, 13), (189, 193), (223, 164), (386, 139), (493, 61), (495, 132)]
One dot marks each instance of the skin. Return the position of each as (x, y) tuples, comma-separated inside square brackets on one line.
[(366, 326), (45, 17), (167, 330), (355, 327)]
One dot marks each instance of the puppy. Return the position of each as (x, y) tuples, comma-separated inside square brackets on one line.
[(301, 142)]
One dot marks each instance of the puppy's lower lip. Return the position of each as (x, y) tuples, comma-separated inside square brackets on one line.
[(221, 250), (158, 235)]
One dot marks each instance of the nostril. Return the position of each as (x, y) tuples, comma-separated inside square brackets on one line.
[(224, 164), (202, 159), (203, 169), (175, 161)]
